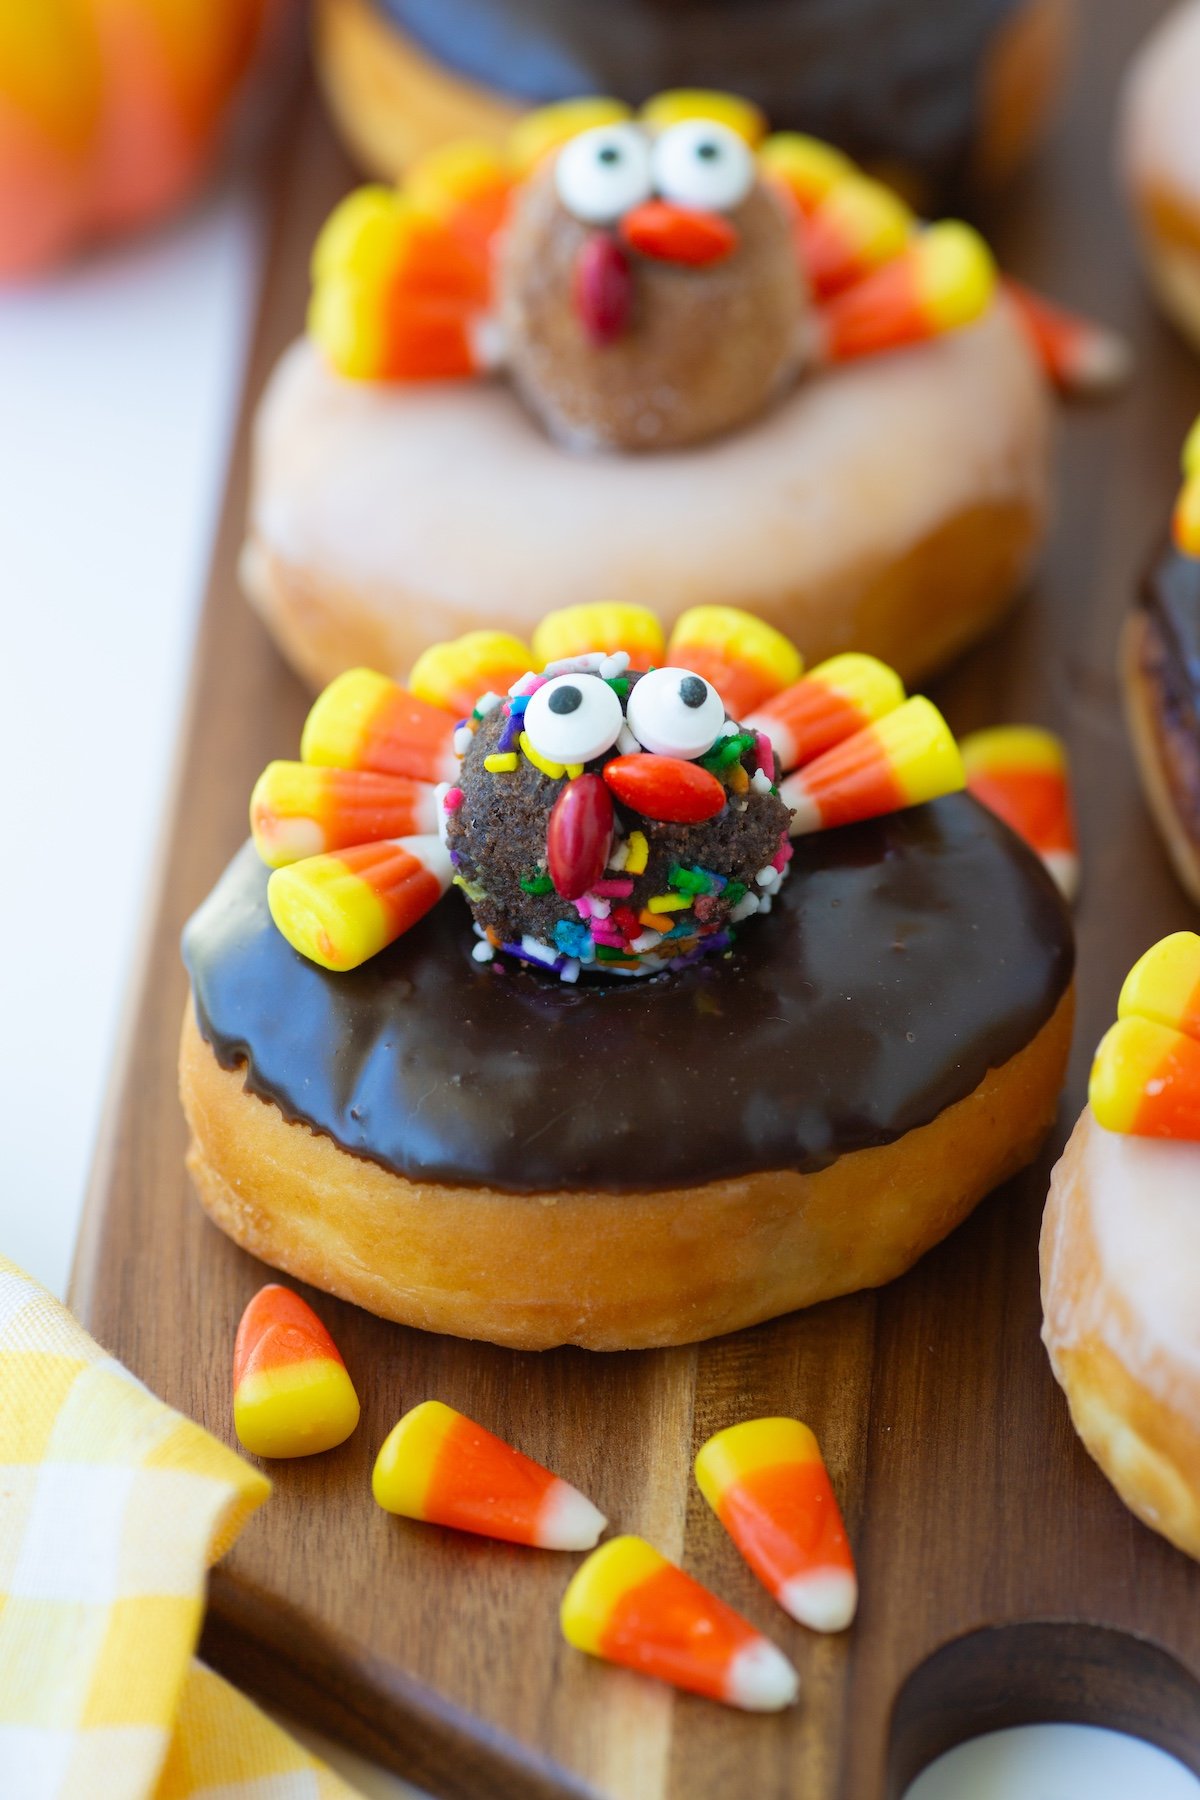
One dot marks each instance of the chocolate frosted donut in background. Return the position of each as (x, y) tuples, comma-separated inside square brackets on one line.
[(938, 98)]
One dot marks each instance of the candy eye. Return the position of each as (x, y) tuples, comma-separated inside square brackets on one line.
[(675, 713), (701, 163), (573, 718), (603, 172)]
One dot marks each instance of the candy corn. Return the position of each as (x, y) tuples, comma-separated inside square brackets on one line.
[(629, 1605), (298, 810), (1185, 521), (1020, 773), (745, 659), (858, 225), (291, 1393), (807, 168), (832, 702), (454, 675), (547, 129), (906, 757), (600, 625), (342, 908), (1164, 984), (438, 1466), (1080, 357), (943, 280), (767, 1483), (364, 721), (678, 104), (1146, 1081)]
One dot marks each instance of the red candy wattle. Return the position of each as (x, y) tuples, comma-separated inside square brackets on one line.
[(603, 289), (578, 836), (665, 788)]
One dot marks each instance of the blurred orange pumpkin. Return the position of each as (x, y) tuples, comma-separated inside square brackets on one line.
[(111, 112)]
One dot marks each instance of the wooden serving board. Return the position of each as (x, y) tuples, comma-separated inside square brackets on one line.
[(1002, 1580)]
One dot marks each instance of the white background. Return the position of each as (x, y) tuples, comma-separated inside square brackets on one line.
[(118, 385)]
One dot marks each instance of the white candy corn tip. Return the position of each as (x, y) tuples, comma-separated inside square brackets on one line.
[(1064, 868), (568, 1520), (1102, 362), (824, 1601), (761, 1679)]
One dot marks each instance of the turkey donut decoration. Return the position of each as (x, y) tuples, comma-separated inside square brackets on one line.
[(618, 991), (665, 359), (1120, 1250)]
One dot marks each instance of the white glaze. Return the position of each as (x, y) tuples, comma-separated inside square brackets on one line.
[(449, 494), (1143, 1196), (1159, 113)]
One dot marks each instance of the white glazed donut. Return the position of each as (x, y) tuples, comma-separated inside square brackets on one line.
[(1159, 155)]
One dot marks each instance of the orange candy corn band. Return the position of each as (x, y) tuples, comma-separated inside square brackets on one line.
[(941, 282), (292, 1395), (440, 1467), (901, 760), (767, 1483), (832, 702), (339, 910), (1145, 1079), (744, 658), (298, 810), (1020, 773), (629, 1605), (364, 721)]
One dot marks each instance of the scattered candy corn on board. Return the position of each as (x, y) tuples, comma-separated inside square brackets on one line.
[(967, 1502)]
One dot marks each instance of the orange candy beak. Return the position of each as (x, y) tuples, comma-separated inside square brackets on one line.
[(679, 234)]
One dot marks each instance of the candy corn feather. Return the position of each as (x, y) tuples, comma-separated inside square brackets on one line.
[(744, 658), (364, 721), (629, 1605), (829, 704), (906, 757), (344, 907), (440, 1467), (767, 1483), (298, 810), (1164, 984), (291, 1393), (1020, 773)]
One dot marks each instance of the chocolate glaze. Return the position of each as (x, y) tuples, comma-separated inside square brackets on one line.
[(890, 81), (1170, 598), (903, 959)]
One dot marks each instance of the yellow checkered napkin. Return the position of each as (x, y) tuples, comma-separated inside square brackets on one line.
[(112, 1508)]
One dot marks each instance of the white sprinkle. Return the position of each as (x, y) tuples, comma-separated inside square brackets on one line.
[(749, 903), (761, 782), (740, 805), (764, 905), (586, 664), (462, 739), (518, 686), (730, 728), (487, 703), (569, 970), (618, 855), (537, 951), (648, 940), (483, 951), (613, 665), (763, 878), (627, 744), (601, 909)]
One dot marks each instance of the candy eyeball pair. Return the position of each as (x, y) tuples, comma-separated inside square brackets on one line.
[(671, 712), (605, 172)]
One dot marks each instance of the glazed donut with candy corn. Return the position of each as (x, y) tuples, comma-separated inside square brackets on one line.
[(730, 367), (1121, 1248), (620, 990)]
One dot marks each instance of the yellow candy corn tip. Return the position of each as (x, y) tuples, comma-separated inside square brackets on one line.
[(730, 1455), (441, 670), (550, 127), (327, 914), (598, 625), (338, 718), (1004, 747), (803, 162), (738, 635), (1163, 980), (284, 789), (956, 272), (1128, 1055), (299, 1409), (872, 215), (454, 172), (863, 680), (1190, 455), (599, 1583), (921, 749), (677, 104), (356, 219), (346, 327), (404, 1467)]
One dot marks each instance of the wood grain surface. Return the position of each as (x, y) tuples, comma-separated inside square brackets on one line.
[(1001, 1578)]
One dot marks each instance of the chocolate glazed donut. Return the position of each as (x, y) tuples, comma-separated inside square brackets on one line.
[(937, 97), (1161, 675)]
